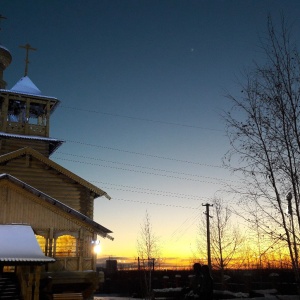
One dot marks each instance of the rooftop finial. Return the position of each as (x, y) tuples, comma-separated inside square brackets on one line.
[(27, 47)]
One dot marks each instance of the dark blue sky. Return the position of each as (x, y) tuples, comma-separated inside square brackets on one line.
[(142, 86)]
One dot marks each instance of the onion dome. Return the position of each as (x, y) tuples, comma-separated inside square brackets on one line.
[(5, 60)]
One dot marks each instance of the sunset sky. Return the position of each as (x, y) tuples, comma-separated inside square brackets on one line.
[(142, 85)]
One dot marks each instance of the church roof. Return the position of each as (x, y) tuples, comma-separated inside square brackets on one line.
[(5, 57), (4, 48), (52, 164), (25, 85), (53, 143), (76, 215), (19, 244), (28, 94)]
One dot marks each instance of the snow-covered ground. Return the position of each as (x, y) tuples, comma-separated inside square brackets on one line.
[(266, 295), (107, 297), (278, 297)]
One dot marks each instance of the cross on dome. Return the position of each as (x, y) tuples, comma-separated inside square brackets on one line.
[(27, 47)]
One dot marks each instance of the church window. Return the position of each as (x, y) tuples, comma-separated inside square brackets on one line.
[(16, 111), (66, 246), (37, 114), (42, 242)]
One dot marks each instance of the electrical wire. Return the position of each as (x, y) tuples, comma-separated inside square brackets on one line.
[(142, 172), (140, 119), (143, 167), (154, 203), (145, 154), (153, 192)]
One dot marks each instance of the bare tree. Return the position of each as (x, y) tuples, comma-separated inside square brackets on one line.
[(225, 238), (263, 127), (148, 252)]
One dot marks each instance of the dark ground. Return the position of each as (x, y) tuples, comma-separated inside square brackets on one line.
[(129, 283)]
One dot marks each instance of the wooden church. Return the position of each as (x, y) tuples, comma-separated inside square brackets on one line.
[(37, 193)]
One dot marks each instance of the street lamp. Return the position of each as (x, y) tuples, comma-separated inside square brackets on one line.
[(97, 247)]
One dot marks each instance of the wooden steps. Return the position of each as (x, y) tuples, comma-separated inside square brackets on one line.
[(68, 296), (9, 287)]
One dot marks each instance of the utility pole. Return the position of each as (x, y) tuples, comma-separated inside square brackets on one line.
[(208, 233)]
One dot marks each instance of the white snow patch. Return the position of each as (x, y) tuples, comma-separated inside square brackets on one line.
[(25, 85), (18, 243)]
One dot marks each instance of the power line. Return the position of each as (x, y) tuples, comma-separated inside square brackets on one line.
[(155, 192), (141, 119), (143, 167), (142, 172), (145, 154), (176, 206), (150, 191), (153, 203), (181, 230)]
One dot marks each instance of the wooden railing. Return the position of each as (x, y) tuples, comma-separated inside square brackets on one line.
[(72, 263), (26, 128)]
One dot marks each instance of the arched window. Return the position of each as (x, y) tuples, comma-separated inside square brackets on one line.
[(66, 246), (42, 242)]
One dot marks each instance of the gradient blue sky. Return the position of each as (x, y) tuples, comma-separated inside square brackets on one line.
[(142, 86)]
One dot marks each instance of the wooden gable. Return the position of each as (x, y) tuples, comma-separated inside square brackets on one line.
[(38, 171), (23, 204), (55, 223)]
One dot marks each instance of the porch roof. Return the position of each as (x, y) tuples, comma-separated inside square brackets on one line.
[(19, 244)]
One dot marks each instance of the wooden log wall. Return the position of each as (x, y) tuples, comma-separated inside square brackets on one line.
[(15, 208), (50, 182), (8, 145), (19, 206)]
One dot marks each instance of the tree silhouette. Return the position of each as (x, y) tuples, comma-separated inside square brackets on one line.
[(263, 127), (148, 251)]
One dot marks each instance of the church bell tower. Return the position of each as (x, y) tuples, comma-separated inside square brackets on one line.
[(24, 112)]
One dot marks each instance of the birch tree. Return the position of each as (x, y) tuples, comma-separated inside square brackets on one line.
[(263, 127), (148, 251), (225, 237)]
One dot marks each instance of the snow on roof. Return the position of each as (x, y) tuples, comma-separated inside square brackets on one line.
[(19, 244), (54, 144), (4, 48), (29, 137), (29, 94), (25, 85)]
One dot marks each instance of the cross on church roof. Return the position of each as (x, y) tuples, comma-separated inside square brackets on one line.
[(27, 47)]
